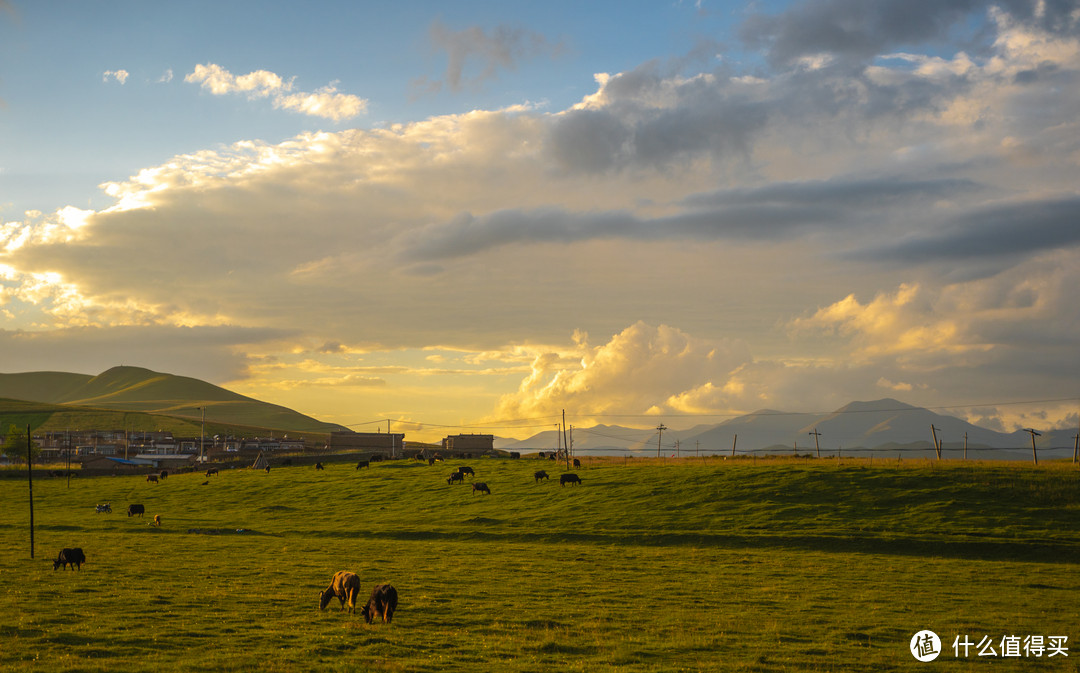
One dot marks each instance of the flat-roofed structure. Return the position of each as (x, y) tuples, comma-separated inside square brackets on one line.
[(471, 444), (387, 443)]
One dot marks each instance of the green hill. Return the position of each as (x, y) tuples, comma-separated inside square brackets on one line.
[(120, 396)]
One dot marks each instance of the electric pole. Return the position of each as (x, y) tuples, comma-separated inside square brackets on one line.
[(660, 428), (937, 444), (1034, 434), (817, 446)]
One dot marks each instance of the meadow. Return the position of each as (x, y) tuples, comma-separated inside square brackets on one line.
[(695, 565)]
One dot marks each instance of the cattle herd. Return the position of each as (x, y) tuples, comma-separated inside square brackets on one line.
[(345, 585)]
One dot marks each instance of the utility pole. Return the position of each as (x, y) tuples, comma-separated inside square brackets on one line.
[(678, 450), (202, 435), (937, 444), (817, 446), (965, 446), (566, 446), (660, 428), (1034, 434), (1076, 447), (733, 443), (30, 482), (570, 447)]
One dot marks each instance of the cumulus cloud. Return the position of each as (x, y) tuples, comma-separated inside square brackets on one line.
[(635, 370), (118, 75), (325, 102)]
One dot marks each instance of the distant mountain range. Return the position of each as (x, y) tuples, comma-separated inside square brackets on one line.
[(135, 390), (885, 427)]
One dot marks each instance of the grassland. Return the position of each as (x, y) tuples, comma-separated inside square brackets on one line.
[(686, 565)]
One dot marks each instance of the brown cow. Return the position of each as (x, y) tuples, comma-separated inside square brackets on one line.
[(152, 478), (480, 487), (344, 586), (382, 603)]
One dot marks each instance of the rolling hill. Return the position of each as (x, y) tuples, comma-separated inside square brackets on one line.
[(134, 390)]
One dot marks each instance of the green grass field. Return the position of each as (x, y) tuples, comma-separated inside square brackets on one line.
[(777, 565)]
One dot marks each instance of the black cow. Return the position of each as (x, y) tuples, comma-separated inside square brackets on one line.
[(73, 557), (152, 478), (466, 470), (318, 466), (540, 474), (569, 478), (363, 463), (212, 470), (136, 509), (382, 604), (456, 476), (164, 474), (479, 486), (577, 463)]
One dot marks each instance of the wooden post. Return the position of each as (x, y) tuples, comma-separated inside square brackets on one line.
[(660, 428), (1034, 434), (1076, 447), (816, 434), (733, 442), (937, 444), (566, 446), (965, 446), (30, 482)]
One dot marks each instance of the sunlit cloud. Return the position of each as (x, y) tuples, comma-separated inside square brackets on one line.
[(325, 102), (118, 75)]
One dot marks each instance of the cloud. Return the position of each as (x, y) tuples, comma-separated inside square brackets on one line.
[(861, 30), (504, 48), (1009, 230), (325, 102), (215, 354), (119, 75), (638, 368), (166, 77)]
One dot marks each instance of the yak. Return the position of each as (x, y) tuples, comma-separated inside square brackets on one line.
[(540, 474), (480, 487), (73, 557), (382, 604), (345, 586), (569, 478), (136, 509), (456, 476)]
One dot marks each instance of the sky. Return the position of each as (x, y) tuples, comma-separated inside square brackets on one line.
[(472, 216)]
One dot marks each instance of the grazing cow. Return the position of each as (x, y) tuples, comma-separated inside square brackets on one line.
[(541, 454), (345, 586), (553, 456), (363, 463), (456, 476), (267, 468), (73, 557), (318, 466), (569, 478), (577, 463), (540, 474), (152, 478), (466, 470), (479, 486), (515, 454), (211, 471), (106, 509), (164, 474), (157, 520), (430, 461), (136, 509), (382, 604)]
